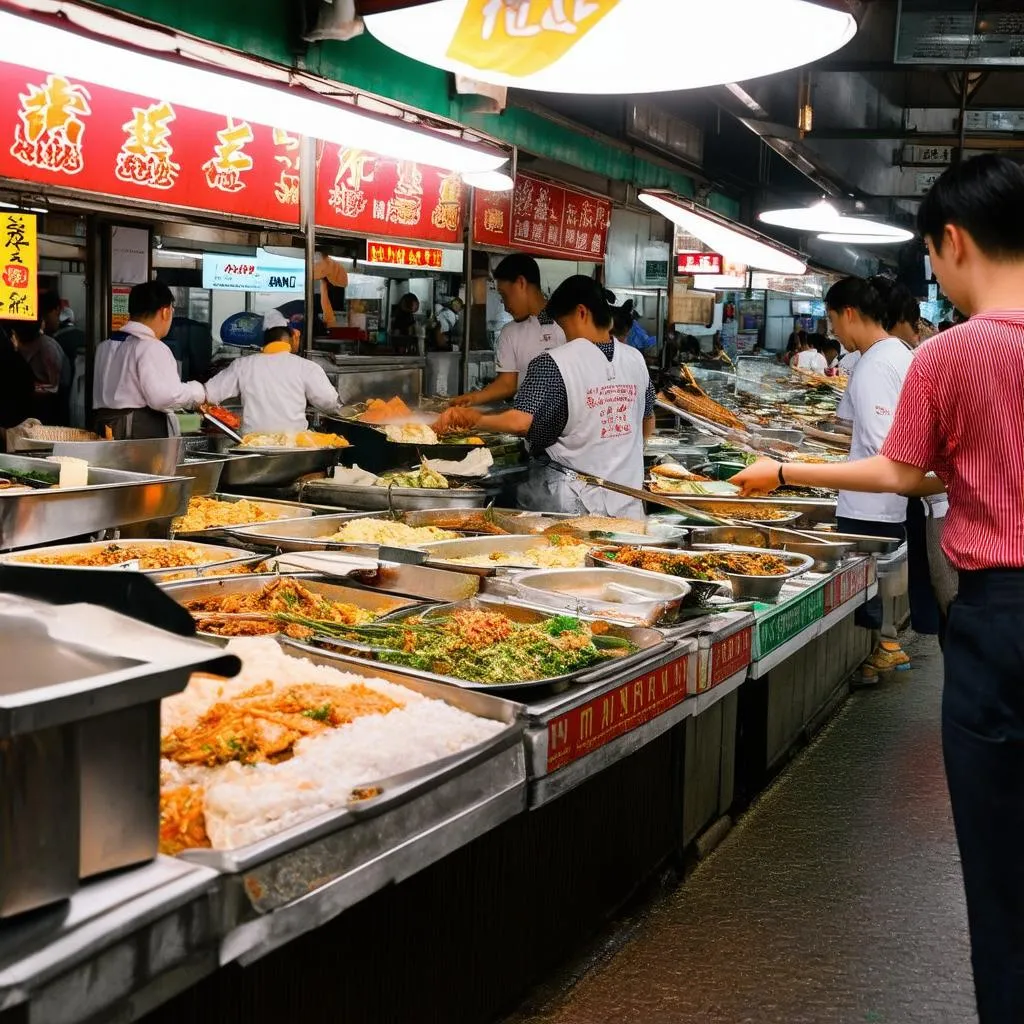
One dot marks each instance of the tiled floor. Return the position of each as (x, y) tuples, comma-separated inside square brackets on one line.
[(836, 899)]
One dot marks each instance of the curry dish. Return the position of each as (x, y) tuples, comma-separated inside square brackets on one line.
[(713, 566), (156, 556)]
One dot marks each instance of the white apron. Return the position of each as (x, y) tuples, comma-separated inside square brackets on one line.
[(603, 436)]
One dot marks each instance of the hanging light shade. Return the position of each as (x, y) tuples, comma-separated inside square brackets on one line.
[(864, 239), (824, 220), (737, 246), (584, 46)]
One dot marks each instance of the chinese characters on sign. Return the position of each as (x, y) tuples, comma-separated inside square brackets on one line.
[(286, 188), (699, 263), (404, 255), (845, 587), (543, 218), (230, 161), (727, 657), (51, 129), (145, 157), (19, 261), (585, 729), (521, 37)]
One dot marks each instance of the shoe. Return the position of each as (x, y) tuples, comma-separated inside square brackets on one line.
[(889, 658), (866, 675)]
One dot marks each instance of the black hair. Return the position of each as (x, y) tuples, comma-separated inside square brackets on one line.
[(516, 266), (610, 298), (856, 293), (622, 318), (984, 197), (49, 302), (272, 334), (830, 345), (147, 299), (24, 330), (900, 305), (580, 290)]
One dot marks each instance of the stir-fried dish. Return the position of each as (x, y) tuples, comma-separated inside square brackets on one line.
[(487, 647), (302, 439), (387, 531), (155, 556), (747, 513), (560, 553), (282, 596), (423, 477), (475, 522), (208, 513), (715, 566)]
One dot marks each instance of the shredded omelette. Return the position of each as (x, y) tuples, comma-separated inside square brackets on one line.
[(206, 513), (281, 596)]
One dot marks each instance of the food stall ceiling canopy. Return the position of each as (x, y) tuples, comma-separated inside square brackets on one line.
[(735, 244), (74, 41), (584, 46), (826, 222)]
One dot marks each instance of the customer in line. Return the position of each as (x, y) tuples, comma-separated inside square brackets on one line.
[(969, 428)]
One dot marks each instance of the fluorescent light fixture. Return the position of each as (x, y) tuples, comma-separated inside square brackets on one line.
[(490, 181), (735, 245), (44, 44), (181, 254), (37, 209), (9, 206), (859, 239), (824, 219), (725, 41)]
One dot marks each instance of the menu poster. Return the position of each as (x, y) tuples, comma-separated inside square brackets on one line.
[(19, 267), (119, 306), (545, 219)]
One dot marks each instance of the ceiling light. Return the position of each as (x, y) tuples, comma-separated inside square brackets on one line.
[(491, 181), (735, 245), (26, 41), (9, 206), (824, 218), (570, 47), (865, 239)]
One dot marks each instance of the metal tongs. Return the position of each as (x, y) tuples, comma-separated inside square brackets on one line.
[(221, 425)]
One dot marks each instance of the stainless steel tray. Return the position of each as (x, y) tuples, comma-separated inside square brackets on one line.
[(402, 499), (649, 641), (311, 534), (284, 510), (814, 510), (440, 553), (395, 791), (254, 467), (193, 590), (205, 474), (612, 595), (827, 554), (158, 456), (861, 543), (218, 555), (113, 498), (791, 516), (743, 587)]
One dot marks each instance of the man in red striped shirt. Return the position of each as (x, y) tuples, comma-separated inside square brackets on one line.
[(968, 429)]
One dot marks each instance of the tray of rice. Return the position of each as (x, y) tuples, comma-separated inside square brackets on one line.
[(298, 748), (356, 533), (489, 556)]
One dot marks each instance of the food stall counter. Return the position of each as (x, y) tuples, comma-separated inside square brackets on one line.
[(573, 735), (725, 641)]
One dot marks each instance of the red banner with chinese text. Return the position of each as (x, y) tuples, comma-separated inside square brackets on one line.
[(544, 219), (397, 255), (59, 131), (591, 726), (360, 192)]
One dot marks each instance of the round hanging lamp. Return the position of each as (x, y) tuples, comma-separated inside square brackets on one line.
[(824, 220), (601, 47), (865, 239)]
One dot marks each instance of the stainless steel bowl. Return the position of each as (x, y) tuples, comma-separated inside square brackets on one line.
[(760, 588), (253, 467)]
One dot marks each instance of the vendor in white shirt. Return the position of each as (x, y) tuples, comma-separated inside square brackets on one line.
[(531, 332), (584, 407), (808, 357), (136, 386), (277, 385)]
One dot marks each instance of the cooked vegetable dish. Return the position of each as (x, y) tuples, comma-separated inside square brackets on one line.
[(711, 567), (156, 556)]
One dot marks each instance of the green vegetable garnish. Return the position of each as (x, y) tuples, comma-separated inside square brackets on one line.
[(320, 714)]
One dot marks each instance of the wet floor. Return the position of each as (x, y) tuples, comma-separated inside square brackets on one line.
[(837, 898)]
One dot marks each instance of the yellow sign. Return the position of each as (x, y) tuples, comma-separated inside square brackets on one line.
[(19, 264), (518, 38)]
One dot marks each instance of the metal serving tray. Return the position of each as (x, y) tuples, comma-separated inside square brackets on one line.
[(357, 817), (204, 473), (402, 499), (312, 534), (284, 510), (158, 456), (439, 553), (113, 498), (218, 555), (827, 554), (743, 587), (612, 595), (184, 591), (861, 543), (814, 510), (649, 641), (277, 467)]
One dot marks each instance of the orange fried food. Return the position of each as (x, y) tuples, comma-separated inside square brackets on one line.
[(379, 411), (182, 821), (266, 726)]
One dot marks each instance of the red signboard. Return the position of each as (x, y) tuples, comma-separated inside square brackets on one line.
[(361, 192), (589, 727), (845, 587), (545, 219), (404, 255), (699, 263), (59, 131), (728, 656)]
